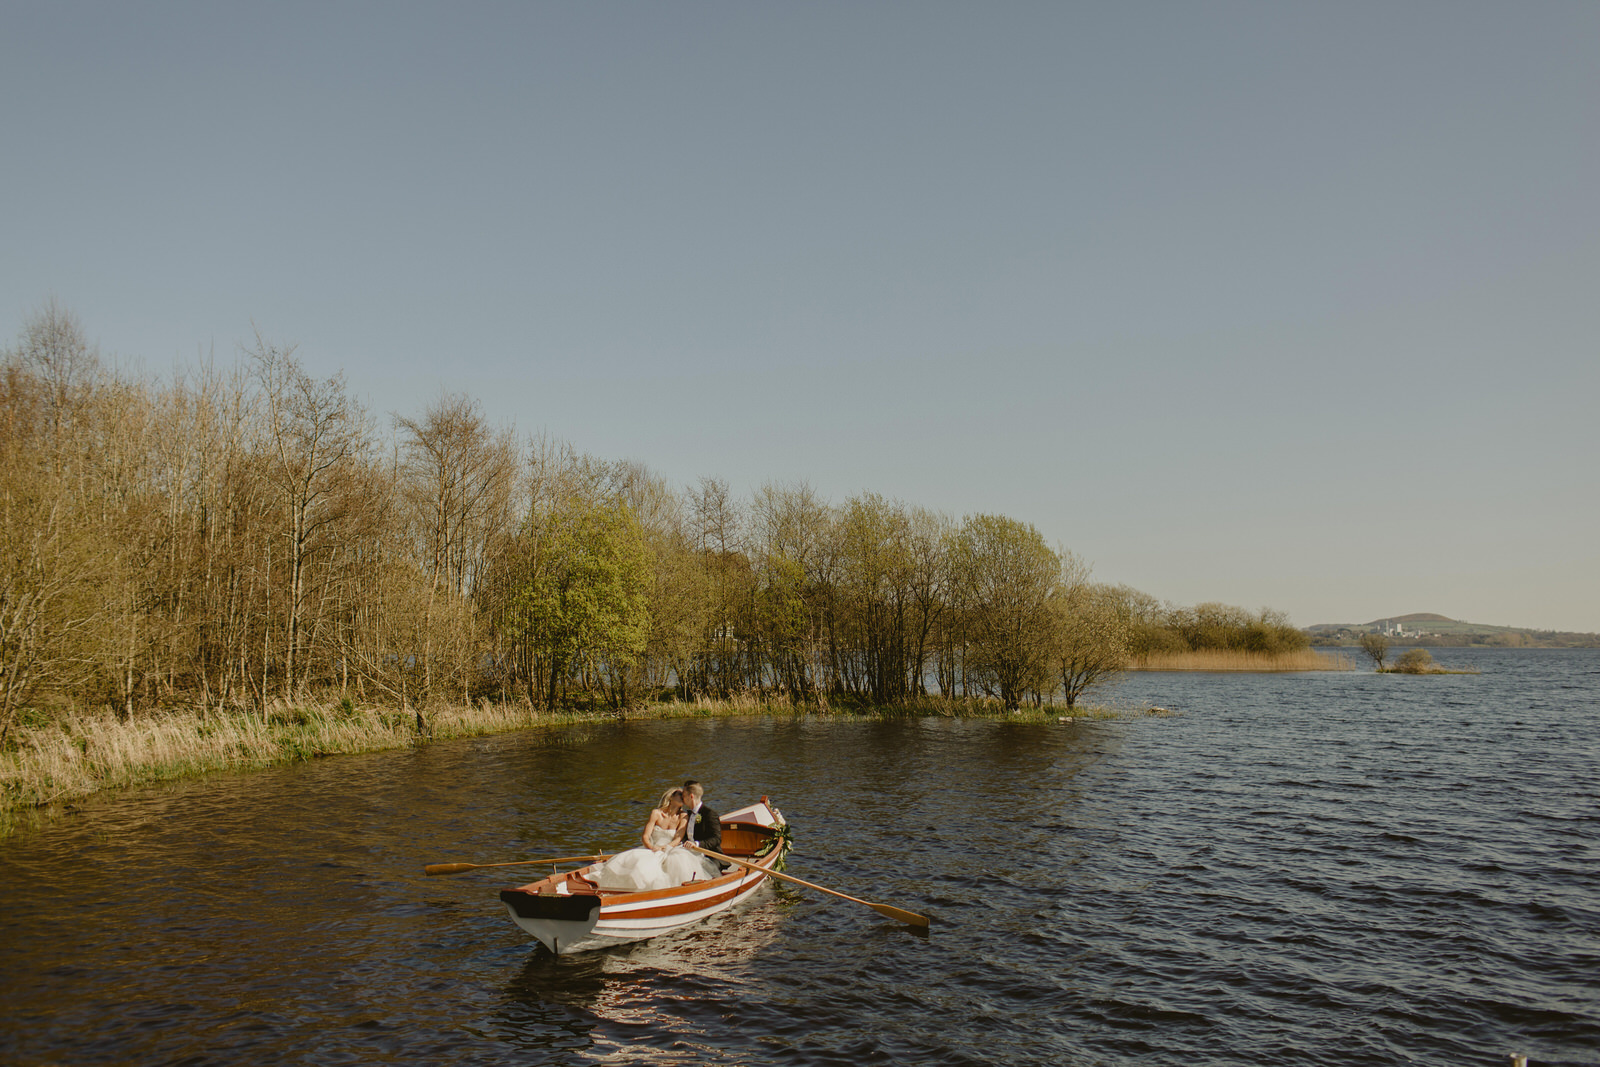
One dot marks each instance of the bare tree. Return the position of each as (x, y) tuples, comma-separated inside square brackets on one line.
[(55, 349), (1377, 647), (387, 609), (714, 517), (715, 529), (45, 601), (460, 476), (927, 541), (314, 433), (48, 550), (123, 482), (219, 513), (459, 479)]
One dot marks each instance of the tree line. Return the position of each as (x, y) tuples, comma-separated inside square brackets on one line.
[(1155, 627), (234, 536)]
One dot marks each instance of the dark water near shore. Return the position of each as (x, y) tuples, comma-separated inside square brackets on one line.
[(1300, 869)]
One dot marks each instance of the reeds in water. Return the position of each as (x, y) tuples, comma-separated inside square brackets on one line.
[(1306, 659), (82, 753)]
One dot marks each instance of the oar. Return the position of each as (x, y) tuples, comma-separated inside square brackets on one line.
[(457, 868), (910, 918)]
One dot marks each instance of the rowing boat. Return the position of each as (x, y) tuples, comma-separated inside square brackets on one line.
[(567, 912)]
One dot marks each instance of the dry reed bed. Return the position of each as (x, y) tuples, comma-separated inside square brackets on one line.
[(82, 754), (1233, 660)]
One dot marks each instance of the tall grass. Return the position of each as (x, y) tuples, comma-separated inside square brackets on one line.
[(1306, 659), (82, 753)]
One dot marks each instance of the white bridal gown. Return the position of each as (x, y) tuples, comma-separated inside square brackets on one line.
[(641, 869), (683, 866)]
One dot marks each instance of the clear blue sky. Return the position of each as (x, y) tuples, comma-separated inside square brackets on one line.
[(1288, 305)]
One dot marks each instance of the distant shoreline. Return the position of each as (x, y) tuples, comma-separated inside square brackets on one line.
[(1430, 630), (1497, 642)]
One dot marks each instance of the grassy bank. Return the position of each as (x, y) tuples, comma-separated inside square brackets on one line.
[(83, 753), (1232, 660)]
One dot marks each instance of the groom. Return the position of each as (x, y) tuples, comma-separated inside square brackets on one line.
[(705, 825)]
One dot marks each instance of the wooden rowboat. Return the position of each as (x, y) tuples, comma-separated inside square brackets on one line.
[(568, 913)]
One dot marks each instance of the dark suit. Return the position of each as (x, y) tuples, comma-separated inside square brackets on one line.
[(706, 828)]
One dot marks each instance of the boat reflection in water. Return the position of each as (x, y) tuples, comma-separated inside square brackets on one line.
[(615, 1003)]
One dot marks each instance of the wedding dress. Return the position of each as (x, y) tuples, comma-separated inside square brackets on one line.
[(638, 869), (641, 869), (684, 866)]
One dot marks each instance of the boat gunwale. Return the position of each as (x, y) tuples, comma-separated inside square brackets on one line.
[(615, 901), (621, 916)]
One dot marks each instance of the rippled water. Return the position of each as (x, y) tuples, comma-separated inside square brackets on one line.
[(1299, 869)]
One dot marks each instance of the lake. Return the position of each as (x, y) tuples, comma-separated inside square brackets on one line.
[(1333, 868)]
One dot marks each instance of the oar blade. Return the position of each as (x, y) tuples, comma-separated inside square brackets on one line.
[(448, 868), (910, 918)]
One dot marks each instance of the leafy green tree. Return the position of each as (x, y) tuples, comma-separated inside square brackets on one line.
[(1212, 626), (874, 598), (680, 607), (1009, 575), (793, 549), (583, 607), (1415, 661), (1093, 631)]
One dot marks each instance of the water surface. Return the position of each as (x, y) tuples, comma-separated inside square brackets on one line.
[(1299, 869)]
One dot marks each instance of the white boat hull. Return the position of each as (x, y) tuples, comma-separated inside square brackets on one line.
[(565, 921)]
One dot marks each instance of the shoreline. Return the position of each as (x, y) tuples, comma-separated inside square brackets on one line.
[(83, 754)]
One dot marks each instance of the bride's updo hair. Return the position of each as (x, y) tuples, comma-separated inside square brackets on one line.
[(668, 804)]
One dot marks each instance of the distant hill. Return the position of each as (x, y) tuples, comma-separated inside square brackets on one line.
[(1427, 629)]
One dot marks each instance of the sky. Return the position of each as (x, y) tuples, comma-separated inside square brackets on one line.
[(1280, 305)]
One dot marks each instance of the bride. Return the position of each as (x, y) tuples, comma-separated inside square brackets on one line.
[(660, 864)]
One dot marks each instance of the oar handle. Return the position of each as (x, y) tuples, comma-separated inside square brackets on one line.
[(910, 918)]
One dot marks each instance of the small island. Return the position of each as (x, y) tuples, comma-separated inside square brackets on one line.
[(1412, 661)]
